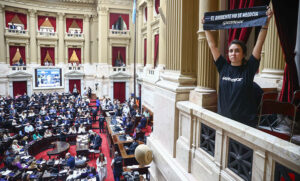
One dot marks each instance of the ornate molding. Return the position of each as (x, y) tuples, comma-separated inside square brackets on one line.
[(32, 12)]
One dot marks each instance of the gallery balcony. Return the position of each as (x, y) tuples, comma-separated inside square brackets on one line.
[(74, 36), (16, 33), (119, 33)]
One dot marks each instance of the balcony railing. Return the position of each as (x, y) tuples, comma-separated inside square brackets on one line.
[(75, 67), (119, 69), (18, 68), (46, 34), (74, 35), (222, 149), (16, 31), (119, 32)]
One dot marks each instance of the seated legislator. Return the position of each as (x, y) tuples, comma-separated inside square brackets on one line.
[(130, 150), (36, 136), (143, 122), (28, 128), (81, 129), (72, 130), (70, 160), (47, 133), (97, 142), (16, 147)]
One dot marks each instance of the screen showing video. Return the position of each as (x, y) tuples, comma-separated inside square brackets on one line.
[(48, 78)]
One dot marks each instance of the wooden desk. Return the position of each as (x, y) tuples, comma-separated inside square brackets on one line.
[(60, 148), (82, 149), (128, 159)]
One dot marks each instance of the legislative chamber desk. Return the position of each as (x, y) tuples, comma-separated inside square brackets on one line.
[(40, 145), (117, 141), (60, 149)]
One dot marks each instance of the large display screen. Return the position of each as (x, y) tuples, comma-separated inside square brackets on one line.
[(48, 78)]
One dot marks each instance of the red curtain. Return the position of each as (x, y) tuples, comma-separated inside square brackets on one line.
[(12, 52), (114, 17), (157, 4), (146, 13), (69, 22), (19, 88), (52, 20), (78, 53), (156, 45), (286, 20), (72, 82), (119, 91), (44, 53), (241, 33), (10, 15), (115, 51), (145, 51)]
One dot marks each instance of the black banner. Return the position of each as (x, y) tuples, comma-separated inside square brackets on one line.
[(237, 18)]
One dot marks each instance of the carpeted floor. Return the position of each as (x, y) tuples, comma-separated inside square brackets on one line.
[(105, 147), (92, 162)]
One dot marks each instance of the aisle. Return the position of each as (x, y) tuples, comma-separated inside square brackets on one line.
[(92, 162)]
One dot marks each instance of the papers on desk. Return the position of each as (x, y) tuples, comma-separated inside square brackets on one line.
[(128, 138), (56, 162), (25, 157), (63, 171), (6, 172), (29, 172)]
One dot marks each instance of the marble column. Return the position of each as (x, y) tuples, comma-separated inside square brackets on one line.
[(273, 60), (139, 46), (2, 42), (162, 37), (61, 32), (94, 39), (149, 33), (86, 30), (32, 33), (205, 92), (102, 35)]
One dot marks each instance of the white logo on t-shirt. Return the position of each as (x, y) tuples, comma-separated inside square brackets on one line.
[(232, 79)]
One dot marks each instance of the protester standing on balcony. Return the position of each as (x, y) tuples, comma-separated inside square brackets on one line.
[(235, 98)]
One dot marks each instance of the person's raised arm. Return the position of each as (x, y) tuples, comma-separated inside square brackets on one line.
[(212, 43), (262, 36)]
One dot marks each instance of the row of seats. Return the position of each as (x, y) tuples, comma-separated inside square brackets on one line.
[(280, 119)]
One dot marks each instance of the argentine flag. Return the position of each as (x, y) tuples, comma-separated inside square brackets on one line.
[(134, 11)]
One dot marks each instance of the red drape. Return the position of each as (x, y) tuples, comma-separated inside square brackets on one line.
[(157, 4), (9, 15), (115, 51), (241, 33), (114, 17), (44, 53), (52, 20), (78, 53), (286, 20), (156, 46), (119, 91), (19, 88), (145, 52), (69, 22), (146, 13), (12, 52), (72, 82)]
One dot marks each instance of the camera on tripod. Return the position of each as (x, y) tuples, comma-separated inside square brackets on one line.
[(129, 176)]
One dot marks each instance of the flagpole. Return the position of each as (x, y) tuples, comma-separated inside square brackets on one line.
[(134, 59)]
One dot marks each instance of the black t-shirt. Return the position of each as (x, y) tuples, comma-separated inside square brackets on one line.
[(236, 100)]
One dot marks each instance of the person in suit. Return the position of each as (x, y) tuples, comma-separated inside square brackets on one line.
[(130, 150), (117, 166), (96, 142), (101, 123), (143, 122), (70, 160)]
